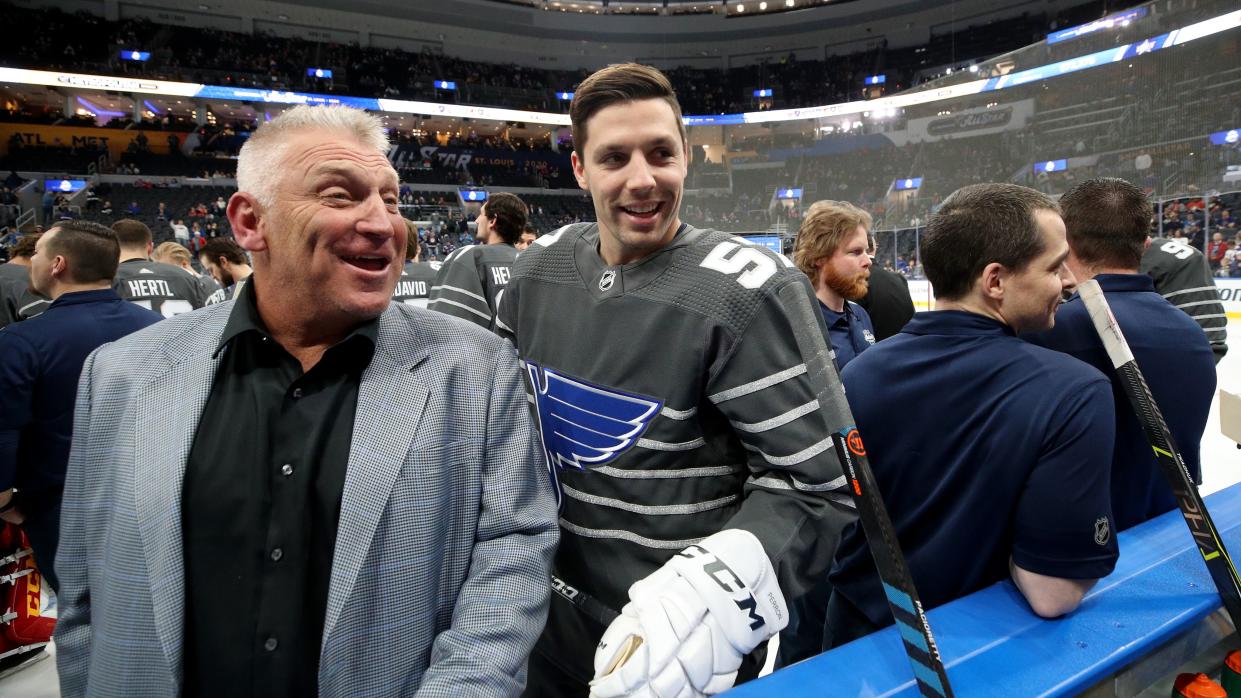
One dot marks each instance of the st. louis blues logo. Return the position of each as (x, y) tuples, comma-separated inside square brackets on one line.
[(586, 425)]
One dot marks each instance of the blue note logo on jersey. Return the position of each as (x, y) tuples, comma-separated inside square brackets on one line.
[(583, 424)]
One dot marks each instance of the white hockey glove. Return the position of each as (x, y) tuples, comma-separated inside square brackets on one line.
[(688, 624)]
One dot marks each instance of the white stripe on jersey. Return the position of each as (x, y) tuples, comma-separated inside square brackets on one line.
[(652, 445), (1191, 290), (757, 385), (455, 289), (679, 415), (500, 325), (778, 420), (667, 474), (1186, 305), (628, 536), (794, 458), (484, 316), (1204, 317), (649, 509), (781, 483)]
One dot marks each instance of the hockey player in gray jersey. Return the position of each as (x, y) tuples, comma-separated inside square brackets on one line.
[(166, 289), (1182, 276), (414, 286), (472, 278), (681, 384)]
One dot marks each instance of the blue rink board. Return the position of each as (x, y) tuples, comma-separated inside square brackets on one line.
[(993, 644)]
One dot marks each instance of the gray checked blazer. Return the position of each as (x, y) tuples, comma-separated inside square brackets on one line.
[(439, 581)]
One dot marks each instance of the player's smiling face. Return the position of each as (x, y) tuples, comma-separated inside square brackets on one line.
[(634, 165), (334, 235)]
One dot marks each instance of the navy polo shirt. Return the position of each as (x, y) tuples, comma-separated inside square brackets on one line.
[(984, 447), (40, 362), (850, 332), (1176, 360)]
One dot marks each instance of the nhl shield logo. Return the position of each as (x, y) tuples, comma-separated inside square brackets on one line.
[(1102, 531), (606, 281)]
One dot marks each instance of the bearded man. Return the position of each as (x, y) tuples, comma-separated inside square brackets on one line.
[(831, 249)]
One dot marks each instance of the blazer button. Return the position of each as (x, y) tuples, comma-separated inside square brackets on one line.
[(276, 554), (271, 644)]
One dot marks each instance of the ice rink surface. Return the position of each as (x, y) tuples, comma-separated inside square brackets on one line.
[(1221, 460), (1221, 467)]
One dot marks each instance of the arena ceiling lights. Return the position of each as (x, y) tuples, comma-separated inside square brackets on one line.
[(1209, 27)]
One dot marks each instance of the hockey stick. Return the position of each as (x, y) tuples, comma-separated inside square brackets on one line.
[(893, 570), (1218, 562), (898, 585), (584, 602)]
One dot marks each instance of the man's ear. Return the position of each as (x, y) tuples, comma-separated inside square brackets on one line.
[(993, 279), (245, 213), (579, 171)]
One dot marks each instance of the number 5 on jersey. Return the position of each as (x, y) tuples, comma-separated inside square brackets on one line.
[(732, 257)]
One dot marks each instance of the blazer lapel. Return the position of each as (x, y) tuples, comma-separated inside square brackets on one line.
[(390, 404), (167, 412)]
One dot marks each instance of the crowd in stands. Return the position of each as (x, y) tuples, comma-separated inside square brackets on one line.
[(83, 42)]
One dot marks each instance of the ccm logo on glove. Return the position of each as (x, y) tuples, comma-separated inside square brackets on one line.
[(727, 580)]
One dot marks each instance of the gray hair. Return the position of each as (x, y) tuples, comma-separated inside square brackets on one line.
[(259, 162)]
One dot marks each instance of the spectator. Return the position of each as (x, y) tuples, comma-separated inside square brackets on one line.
[(180, 232), (73, 265), (1216, 251), (133, 209)]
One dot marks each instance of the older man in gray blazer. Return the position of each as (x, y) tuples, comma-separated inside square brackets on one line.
[(307, 489)]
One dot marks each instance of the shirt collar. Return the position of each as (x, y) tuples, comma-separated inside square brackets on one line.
[(80, 297), (956, 322), (245, 318), (1125, 282), (848, 310)]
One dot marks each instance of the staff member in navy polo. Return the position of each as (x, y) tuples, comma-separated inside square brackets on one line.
[(831, 249), (73, 264), (1108, 223), (992, 453)]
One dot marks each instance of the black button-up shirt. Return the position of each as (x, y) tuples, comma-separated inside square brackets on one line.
[(260, 507)]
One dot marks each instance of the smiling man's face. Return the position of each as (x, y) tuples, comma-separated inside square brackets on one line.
[(334, 235), (634, 166)]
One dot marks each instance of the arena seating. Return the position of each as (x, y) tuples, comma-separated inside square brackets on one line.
[(86, 43)]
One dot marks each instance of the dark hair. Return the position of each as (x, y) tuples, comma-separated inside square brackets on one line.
[(92, 250), (530, 230), (977, 225), (1107, 221), (617, 84), (413, 246), (227, 248), (24, 247), (508, 215), (132, 233)]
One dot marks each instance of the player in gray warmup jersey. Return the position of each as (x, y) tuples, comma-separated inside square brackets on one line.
[(1183, 277), (680, 379), (472, 278), (166, 289), (414, 286)]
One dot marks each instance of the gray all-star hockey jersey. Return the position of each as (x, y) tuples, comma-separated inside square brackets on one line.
[(677, 396)]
